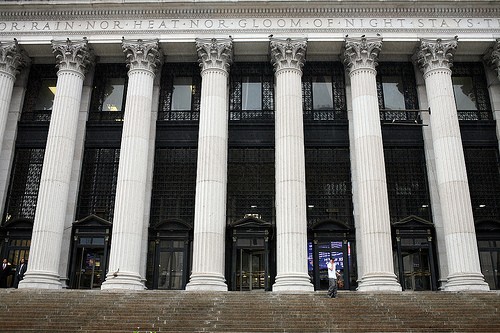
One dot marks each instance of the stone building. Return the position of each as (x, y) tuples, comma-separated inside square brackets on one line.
[(238, 145)]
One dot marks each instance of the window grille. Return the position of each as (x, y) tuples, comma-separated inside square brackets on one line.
[(262, 76), (328, 185), (174, 185), (24, 184), (38, 77), (169, 73), (473, 102), (407, 183), (98, 183), (484, 181), (104, 88), (312, 73), (250, 190)]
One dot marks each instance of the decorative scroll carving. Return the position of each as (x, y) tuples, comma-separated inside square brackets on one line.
[(361, 53), (142, 54), (492, 58), (76, 56), (434, 54), (12, 58), (288, 53), (215, 53)]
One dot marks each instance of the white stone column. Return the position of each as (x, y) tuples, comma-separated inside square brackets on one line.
[(73, 59), (209, 240), (372, 199), (12, 59), (434, 57), (288, 56), (143, 60), (492, 60)]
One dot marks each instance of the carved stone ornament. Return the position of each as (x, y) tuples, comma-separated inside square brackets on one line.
[(12, 58), (288, 53), (76, 56), (492, 58), (434, 54), (215, 53), (361, 53), (142, 54)]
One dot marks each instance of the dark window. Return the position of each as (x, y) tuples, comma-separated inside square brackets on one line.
[(250, 190), (98, 183), (328, 184), (471, 91), (109, 93), (484, 181), (180, 92), (24, 184), (174, 185), (407, 183), (40, 93), (323, 92), (251, 92)]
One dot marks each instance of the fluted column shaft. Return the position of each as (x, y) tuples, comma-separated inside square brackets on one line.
[(128, 221), (73, 60), (211, 179), (458, 221), (288, 57), (373, 205)]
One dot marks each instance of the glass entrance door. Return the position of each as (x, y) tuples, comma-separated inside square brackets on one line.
[(171, 265), (490, 262), (324, 251), (250, 270), (90, 264), (416, 269)]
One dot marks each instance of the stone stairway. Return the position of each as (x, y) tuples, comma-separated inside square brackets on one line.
[(182, 311)]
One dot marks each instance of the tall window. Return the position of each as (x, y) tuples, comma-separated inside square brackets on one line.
[(109, 93), (98, 183), (24, 184), (180, 92), (40, 93), (471, 91), (323, 92), (251, 92)]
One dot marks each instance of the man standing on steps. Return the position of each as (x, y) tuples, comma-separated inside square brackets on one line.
[(5, 270), (332, 278)]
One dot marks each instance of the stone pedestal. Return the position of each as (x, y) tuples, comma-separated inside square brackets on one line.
[(372, 198), (434, 58), (291, 221), (143, 59), (73, 58), (211, 180)]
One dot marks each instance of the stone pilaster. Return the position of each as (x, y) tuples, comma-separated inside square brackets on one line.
[(73, 60), (372, 199), (435, 58), (288, 56), (215, 56), (143, 60), (12, 59)]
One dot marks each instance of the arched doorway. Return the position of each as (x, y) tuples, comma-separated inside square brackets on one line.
[(169, 255), (90, 252), (488, 241), (331, 239), (250, 255), (414, 259)]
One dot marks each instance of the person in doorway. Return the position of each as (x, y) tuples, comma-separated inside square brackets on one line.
[(4, 273), (332, 278), (20, 270)]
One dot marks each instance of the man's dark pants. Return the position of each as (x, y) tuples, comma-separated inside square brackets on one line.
[(332, 287)]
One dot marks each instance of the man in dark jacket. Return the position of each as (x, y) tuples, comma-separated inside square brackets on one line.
[(20, 270), (4, 273)]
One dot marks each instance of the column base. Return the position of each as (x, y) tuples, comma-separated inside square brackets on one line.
[(293, 283), (207, 282), (124, 281), (466, 282), (40, 280), (379, 282)]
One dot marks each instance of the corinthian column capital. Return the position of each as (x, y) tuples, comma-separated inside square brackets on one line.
[(142, 54), (215, 53), (436, 54), (76, 56), (362, 53), (492, 58), (288, 53), (12, 58)]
